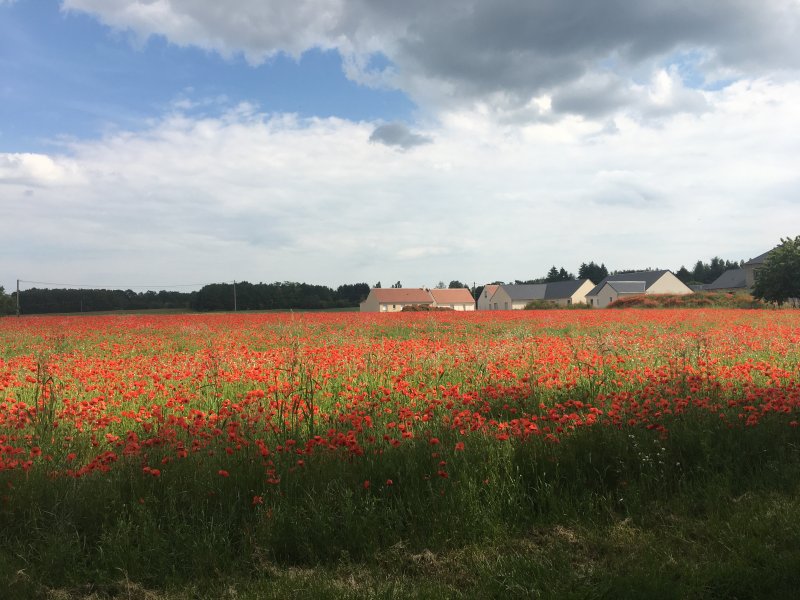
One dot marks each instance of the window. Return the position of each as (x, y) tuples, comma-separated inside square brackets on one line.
[(569, 301), (505, 305)]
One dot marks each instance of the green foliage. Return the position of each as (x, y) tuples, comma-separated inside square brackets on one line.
[(7, 306), (778, 281), (696, 300), (612, 509), (593, 271), (549, 305), (706, 272), (555, 274), (217, 296)]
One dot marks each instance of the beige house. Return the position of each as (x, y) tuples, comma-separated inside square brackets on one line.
[(486, 295), (750, 268), (517, 297), (394, 299), (637, 283), (455, 298)]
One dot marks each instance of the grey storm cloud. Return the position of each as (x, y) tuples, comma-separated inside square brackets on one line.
[(451, 52), (397, 134)]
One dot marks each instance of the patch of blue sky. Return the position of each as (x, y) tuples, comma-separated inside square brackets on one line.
[(692, 65), (68, 76)]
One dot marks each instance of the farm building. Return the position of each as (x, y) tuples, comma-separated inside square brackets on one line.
[(486, 296), (732, 280), (637, 283), (394, 299), (516, 297), (753, 265), (455, 298)]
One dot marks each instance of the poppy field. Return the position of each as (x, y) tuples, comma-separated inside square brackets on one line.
[(508, 454)]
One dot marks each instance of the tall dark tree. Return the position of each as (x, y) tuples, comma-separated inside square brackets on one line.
[(397, 285), (593, 271), (564, 275), (555, 274), (6, 303), (455, 284), (778, 280), (353, 293), (683, 274)]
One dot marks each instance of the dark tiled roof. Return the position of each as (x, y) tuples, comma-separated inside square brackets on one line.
[(529, 291), (730, 279), (759, 260), (628, 287), (648, 277), (562, 289), (554, 290)]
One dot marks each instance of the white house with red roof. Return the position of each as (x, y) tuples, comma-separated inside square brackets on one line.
[(454, 298), (394, 299)]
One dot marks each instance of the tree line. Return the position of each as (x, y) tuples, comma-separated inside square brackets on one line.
[(778, 281), (219, 296)]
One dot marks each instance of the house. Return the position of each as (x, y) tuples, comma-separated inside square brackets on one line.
[(732, 280), (486, 296), (516, 297), (753, 265), (455, 298), (637, 283), (566, 293), (394, 299)]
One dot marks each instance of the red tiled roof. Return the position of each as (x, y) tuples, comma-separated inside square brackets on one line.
[(490, 289), (452, 296), (402, 295)]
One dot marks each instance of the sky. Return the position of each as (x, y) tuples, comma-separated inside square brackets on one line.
[(165, 144)]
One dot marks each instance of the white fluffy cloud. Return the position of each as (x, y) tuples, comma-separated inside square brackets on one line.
[(273, 197)]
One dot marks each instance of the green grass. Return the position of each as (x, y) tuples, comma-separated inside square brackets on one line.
[(709, 512)]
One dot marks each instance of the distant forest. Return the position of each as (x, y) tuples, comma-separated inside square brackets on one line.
[(281, 295), (218, 296)]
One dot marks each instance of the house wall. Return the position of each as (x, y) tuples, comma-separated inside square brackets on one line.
[(669, 284), (459, 306), (579, 297), (484, 302), (370, 304), (501, 300), (398, 306), (606, 296)]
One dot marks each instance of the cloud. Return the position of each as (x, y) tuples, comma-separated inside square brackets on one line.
[(247, 195), (590, 57), (397, 134), (37, 170)]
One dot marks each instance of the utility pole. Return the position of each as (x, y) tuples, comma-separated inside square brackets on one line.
[(234, 295), (18, 297)]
